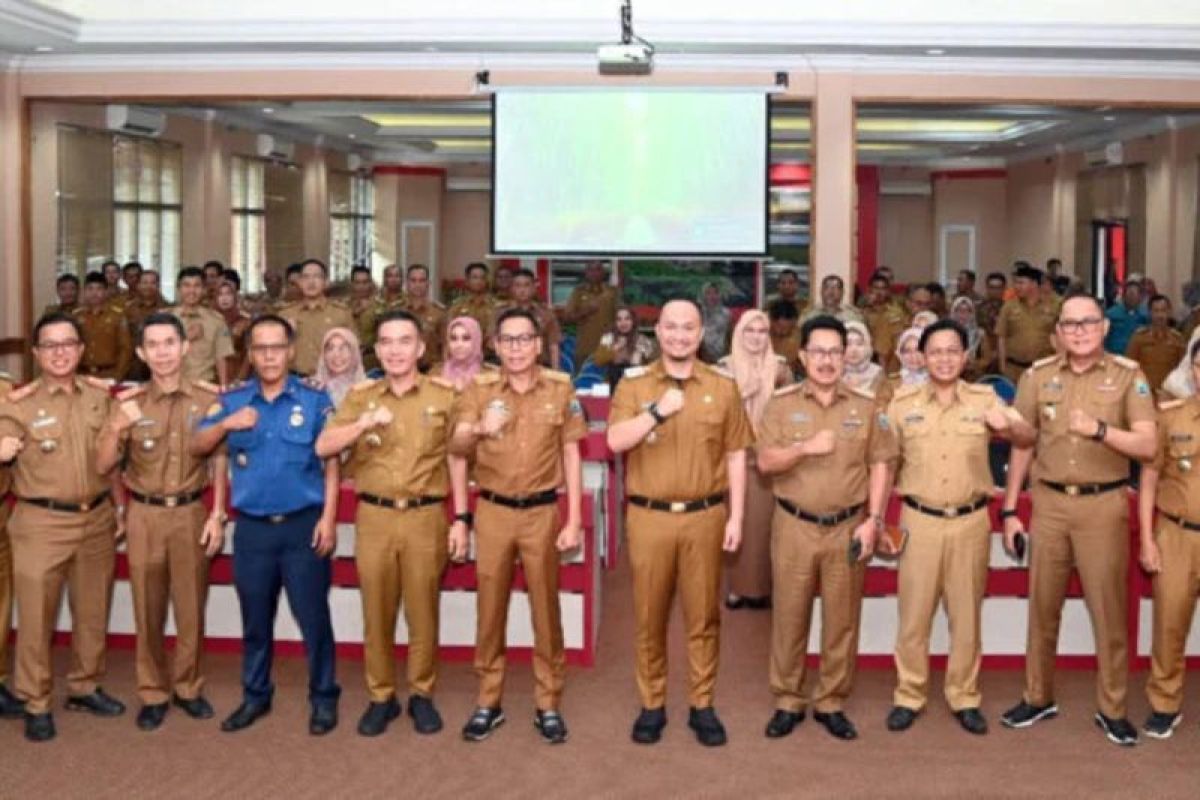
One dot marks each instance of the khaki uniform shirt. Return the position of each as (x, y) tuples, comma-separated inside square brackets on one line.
[(845, 313), (60, 428), (311, 322), (209, 339), (433, 327), (526, 457), (885, 322), (155, 450), (481, 308), (1026, 331), (1113, 389), (6, 386), (57, 308), (137, 309), (684, 458), (109, 347), (987, 312), (943, 449), (788, 348), (833, 482), (589, 329), (364, 313), (1157, 352), (406, 458), (1178, 458)]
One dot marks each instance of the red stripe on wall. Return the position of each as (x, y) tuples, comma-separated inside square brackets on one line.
[(868, 224), (404, 169), (967, 174)]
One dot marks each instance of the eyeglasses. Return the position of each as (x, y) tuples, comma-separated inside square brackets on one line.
[(1079, 325), (832, 354), (953, 353), (268, 349), (520, 340), (58, 347)]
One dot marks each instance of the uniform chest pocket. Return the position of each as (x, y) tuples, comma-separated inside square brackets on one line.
[(971, 424), (46, 434), (710, 425), (241, 441), (1182, 445), (1106, 405), (297, 443), (146, 442), (434, 425), (548, 414), (853, 428), (93, 417)]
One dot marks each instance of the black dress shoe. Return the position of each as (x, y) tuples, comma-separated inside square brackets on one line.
[(648, 727), (733, 602), (758, 603), (707, 727), (378, 716), (151, 716), (783, 723), (901, 718), (196, 708), (836, 723), (39, 727), (972, 721), (10, 706), (323, 719), (551, 726), (425, 716), (244, 716), (482, 722), (98, 702)]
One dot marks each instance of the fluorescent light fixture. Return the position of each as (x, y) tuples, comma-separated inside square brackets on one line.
[(462, 144), (430, 120), (935, 51)]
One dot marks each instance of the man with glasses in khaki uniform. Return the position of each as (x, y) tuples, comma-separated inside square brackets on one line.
[(1093, 412), (10, 706)]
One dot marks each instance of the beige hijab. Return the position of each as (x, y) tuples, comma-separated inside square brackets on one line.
[(754, 373)]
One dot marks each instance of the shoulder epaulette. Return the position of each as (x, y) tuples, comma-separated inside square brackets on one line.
[(490, 368), (1042, 362), (1141, 329), (485, 378), (1167, 405), (367, 384), (1127, 363), (781, 359), (206, 386), (780, 392), (556, 375), (722, 370), (980, 388), (23, 392), (339, 304), (4, 376), (715, 370), (634, 372), (909, 391), (131, 393), (866, 394), (437, 380), (233, 387), (104, 384)]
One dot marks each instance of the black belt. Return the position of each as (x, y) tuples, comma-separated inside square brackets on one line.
[(402, 503), (277, 519), (1076, 489), (824, 520), (949, 512), (1181, 522), (167, 500), (1019, 363), (70, 508), (528, 501), (678, 506)]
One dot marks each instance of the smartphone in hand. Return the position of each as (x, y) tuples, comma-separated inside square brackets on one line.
[(1020, 544), (855, 551)]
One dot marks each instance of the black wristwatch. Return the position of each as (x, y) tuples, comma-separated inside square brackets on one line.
[(1101, 431), (1005, 513), (467, 517), (652, 410)]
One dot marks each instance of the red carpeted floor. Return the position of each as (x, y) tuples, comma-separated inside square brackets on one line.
[(1063, 758)]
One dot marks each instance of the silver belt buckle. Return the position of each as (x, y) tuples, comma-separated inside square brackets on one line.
[(170, 501), (275, 519), (951, 512), (401, 504), (678, 507), (1072, 490)]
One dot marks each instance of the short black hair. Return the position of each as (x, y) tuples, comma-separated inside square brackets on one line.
[(212, 262), (293, 269), (782, 309), (1050, 261), (935, 288), (133, 265), (789, 271), (833, 278), (1077, 294), (189, 272), (413, 267), (1158, 298), (822, 323), (317, 261), (55, 318), (943, 325), (159, 318), (474, 265), (397, 315), (360, 269), (268, 319), (969, 274), (524, 272), (231, 276), (997, 276), (95, 277), (513, 312), (67, 278), (112, 262), (878, 276)]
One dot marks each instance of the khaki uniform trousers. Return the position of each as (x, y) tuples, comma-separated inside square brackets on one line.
[(1175, 592), (50, 549), (6, 591), (807, 557), (502, 535), (1091, 534), (167, 564), (669, 551), (749, 569), (946, 561), (400, 556)]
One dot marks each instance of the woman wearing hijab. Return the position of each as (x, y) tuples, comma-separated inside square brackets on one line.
[(912, 362), (962, 311), (1181, 383), (861, 372), (758, 371), (623, 346), (341, 364), (464, 352)]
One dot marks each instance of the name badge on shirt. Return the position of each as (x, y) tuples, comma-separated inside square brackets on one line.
[(800, 417), (42, 422), (297, 418)]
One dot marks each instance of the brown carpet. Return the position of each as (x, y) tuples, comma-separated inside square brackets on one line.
[(1062, 758)]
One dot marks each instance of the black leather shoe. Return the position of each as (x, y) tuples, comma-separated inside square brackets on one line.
[(972, 721), (244, 716), (151, 716), (551, 726), (783, 723), (758, 603), (323, 719), (648, 727), (196, 708), (733, 602), (98, 702), (901, 718), (1023, 715), (481, 724), (10, 706), (378, 716), (707, 727), (836, 723), (425, 716), (39, 727)]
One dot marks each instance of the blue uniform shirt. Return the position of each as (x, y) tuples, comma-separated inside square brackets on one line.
[(274, 466), (1121, 326)]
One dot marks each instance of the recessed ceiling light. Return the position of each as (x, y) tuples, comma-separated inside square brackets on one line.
[(44, 48), (430, 49), (354, 136), (268, 110), (1020, 144), (1109, 118), (935, 51)]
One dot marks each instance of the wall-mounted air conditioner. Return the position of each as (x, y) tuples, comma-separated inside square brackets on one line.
[(268, 146), (135, 119)]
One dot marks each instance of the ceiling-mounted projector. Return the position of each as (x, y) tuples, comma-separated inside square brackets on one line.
[(632, 56)]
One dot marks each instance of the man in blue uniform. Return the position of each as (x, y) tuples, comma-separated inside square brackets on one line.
[(286, 499)]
